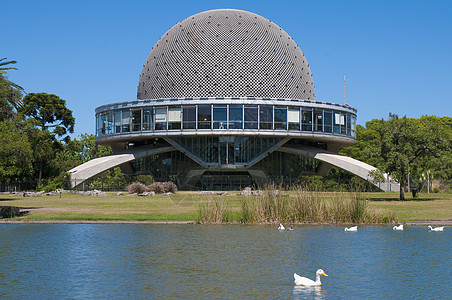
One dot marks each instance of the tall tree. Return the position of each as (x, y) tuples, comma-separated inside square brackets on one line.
[(50, 112), (48, 122), (15, 153), (438, 162), (10, 93), (401, 144), (396, 145)]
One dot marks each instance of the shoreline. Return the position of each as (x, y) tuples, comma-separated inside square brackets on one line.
[(184, 208), (447, 222), (12, 221)]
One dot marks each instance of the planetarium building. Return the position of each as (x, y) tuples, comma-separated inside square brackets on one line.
[(225, 99)]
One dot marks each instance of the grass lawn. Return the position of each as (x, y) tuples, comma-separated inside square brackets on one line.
[(424, 207), (183, 206)]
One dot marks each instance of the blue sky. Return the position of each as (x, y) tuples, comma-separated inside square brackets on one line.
[(396, 55)]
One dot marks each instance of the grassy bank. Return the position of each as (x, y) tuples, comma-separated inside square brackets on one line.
[(425, 207), (189, 206)]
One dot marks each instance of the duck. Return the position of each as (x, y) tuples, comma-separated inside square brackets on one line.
[(436, 228), (353, 228), (299, 280), (290, 228), (281, 227), (400, 227)]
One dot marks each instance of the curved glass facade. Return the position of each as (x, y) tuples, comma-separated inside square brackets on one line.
[(318, 117), (281, 169), (222, 143)]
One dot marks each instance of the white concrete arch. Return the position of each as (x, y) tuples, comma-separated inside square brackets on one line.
[(98, 165), (346, 163)]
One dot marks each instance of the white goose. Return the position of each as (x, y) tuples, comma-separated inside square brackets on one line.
[(353, 228), (299, 280), (436, 228), (400, 227)]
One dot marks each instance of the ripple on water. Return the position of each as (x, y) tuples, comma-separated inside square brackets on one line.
[(221, 261)]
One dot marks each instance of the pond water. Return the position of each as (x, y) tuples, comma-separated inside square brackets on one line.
[(80, 261)]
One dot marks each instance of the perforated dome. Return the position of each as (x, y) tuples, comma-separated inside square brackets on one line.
[(226, 53)]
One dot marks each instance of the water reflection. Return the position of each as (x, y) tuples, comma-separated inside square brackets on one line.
[(308, 292)]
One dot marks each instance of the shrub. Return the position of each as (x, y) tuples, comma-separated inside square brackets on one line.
[(146, 179), (62, 181), (156, 187), (169, 186), (137, 188), (9, 211), (162, 187)]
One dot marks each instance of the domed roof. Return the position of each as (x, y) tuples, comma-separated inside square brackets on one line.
[(226, 53)]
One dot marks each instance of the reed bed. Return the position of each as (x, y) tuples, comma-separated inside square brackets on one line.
[(304, 206), (215, 211)]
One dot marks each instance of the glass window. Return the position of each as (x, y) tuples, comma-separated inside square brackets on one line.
[(354, 126), (174, 118), (147, 118), (306, 119), (109, 123), (189, 117), (250, 116), (160, 118), (117, 116), (281, 117), (328, 121), (220, 117), (344, 123), (103, 119), (266, 117), (235, 116), (125, 120), (349, 124), (318, 119), (99, 124), (293, 118), (339, 121), (136, 119), (204, 116)]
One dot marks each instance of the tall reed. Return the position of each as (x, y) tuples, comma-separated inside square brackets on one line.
[(214, 211), (303, 206)]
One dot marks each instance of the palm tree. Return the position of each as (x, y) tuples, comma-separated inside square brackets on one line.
[(9, 90)]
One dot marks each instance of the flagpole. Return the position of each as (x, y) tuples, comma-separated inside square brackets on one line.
[(344, 89)]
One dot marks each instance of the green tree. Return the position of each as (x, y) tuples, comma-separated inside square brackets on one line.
[(15, 153), (44, 147), (10, 93), (398, 146), (48, 123), (50, 112), (77, 151), (401, 145), (89, 149), (368, 144), (439, 161)]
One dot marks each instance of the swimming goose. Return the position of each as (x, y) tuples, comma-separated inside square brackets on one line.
[(400, 227), (353, 228), (435, 228), (308, 282)]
